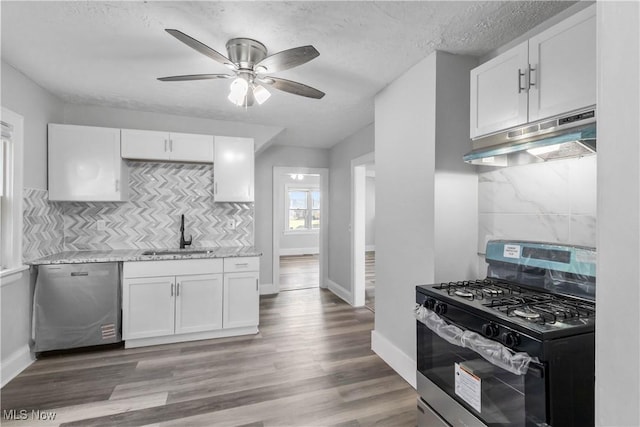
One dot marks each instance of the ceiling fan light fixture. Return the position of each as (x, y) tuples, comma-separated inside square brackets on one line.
[(261, 94), (238, 91)]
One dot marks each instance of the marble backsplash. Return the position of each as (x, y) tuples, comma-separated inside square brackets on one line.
[(158, 194), (553, 202)]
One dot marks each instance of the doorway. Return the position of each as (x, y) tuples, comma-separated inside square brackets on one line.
[(363, 230), (299, 228)]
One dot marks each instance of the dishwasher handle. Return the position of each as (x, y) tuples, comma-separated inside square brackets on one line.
[(79, 273)]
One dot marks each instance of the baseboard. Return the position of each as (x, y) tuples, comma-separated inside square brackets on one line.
[(340, 292), (394, 357), (370, 248), (15, 363), (194, 336), (268, 289), (299, 251)]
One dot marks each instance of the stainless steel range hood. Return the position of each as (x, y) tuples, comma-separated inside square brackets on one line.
[(569, 135)]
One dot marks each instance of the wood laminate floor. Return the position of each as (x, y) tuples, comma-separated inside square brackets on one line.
[(299, 272), (311, 364)]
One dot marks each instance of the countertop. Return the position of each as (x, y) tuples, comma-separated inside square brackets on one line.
[(118, 255)]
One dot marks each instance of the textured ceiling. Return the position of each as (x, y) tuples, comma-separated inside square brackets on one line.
[(110, 53)]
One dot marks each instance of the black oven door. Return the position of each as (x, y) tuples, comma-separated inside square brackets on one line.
[(493, 395)]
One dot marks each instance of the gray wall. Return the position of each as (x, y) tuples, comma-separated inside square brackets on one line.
[(370, 212), (618, 228), (358, 144), (415, 124), (38, 107), (265, 162)]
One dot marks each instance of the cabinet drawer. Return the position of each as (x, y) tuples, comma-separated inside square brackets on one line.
[(172, 267), (239, 264)]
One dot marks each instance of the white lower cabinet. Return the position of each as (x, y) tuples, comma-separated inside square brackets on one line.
[(185, 300), (241, 299)]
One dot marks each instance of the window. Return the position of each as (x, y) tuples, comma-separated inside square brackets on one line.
[(11, 193), (303, 209)]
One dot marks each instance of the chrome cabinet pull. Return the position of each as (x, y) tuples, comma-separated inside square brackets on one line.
[(256, 284), (171, 145), (531, 70), (244, 264), (117, 185), (178, 290), (172, 285), (520, 76), (165, 145)]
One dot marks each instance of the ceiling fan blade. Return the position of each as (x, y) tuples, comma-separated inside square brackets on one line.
[(194, 77), (200, 47), (292, 87), (286, 59)]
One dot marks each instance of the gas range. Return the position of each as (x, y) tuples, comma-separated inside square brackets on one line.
[(514, 349), (543, 314)]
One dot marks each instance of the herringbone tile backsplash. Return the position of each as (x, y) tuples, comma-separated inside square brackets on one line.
[(158, 194)]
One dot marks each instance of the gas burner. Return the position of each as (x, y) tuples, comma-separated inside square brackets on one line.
[(463, 293), (527, 314), (492, 292)]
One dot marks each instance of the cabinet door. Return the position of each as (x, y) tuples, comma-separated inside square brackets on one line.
[(145, 145), (499, 92), (563, 62), (198, 303), (241, 300), (188, 147), (233, 169), (85, 164), (148, 306)]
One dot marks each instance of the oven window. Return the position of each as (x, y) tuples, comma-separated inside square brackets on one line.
[(492, 394)]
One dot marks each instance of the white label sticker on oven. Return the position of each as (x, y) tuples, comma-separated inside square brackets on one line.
[(511, 251), (468, 387)]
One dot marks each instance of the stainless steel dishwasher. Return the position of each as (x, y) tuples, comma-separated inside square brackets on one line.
[(76, 305)]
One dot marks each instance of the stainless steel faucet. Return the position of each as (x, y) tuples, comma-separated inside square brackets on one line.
[(183, 242)]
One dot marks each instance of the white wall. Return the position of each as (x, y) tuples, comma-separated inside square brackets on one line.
[(304, 242), (356, 145), (38, 107), (618, 204), (265, 162), (120, 118), (414, 125), (370, 213)]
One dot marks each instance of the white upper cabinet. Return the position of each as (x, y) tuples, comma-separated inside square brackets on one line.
[(551, 73), (563, 62), (166, 146), (499, 92), (233, 169), (85, 164)]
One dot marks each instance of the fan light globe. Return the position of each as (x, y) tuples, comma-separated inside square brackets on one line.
[(261, 94), (238, 91)]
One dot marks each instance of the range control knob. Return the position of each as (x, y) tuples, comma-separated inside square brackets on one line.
[(440, 308), (490, 330), (510, 339), (430, 303)]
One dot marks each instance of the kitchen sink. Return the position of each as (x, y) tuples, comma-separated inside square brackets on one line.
[(176, 252)]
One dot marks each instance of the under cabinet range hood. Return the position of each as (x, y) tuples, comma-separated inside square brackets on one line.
[(561, 137)]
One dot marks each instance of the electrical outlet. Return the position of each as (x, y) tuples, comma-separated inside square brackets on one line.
[(101, 225), (231, 224)]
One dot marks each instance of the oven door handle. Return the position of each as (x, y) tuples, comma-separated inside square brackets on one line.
[(494, 352)]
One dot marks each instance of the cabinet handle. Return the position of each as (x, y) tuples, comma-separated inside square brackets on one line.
[(531, 70), (178, 290), (244, 264), (165, 145), (520, 76), (117, 185), (172, 285), (256, 285), (215, 188), (249, 190), (171, 145)]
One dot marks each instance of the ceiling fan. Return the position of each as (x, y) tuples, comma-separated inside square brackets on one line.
[(248, 60)]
